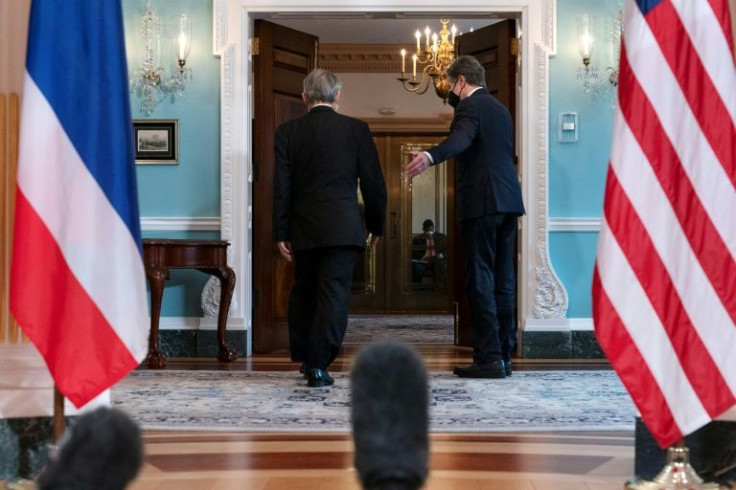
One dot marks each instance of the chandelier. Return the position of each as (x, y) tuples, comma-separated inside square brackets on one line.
[(150, 82), (432, 59)]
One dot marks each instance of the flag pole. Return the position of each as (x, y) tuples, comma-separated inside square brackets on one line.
[(59, 425), (677, 473)]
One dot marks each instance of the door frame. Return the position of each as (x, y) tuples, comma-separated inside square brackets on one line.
[(542, 296)]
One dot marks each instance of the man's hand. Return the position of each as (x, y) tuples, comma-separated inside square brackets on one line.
[(419, 164), (285, 250)]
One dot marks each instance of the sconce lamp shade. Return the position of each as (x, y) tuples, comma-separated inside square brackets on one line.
[(586, 36), (181, 28)]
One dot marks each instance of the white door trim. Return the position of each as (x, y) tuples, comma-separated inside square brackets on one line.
[(542, 293)]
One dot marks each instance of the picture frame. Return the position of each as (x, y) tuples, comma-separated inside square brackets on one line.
[(156, 141)]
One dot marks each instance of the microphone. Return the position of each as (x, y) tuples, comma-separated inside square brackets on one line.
[(102, 450), (390, 417)]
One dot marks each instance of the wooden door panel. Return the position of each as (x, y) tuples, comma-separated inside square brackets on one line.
[(492, 46), (287, 107), (286, 56)]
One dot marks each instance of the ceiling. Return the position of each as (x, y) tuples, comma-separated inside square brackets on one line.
[(375, 28)]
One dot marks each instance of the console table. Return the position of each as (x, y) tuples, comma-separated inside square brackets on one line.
[(209, 256)]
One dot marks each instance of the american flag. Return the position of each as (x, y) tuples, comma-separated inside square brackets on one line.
[(77, 284), (664, 285)]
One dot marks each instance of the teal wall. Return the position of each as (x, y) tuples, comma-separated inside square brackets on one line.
[(192, 187), (577, 170)]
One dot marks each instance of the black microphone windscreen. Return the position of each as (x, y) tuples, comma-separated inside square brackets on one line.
[(390, 416)]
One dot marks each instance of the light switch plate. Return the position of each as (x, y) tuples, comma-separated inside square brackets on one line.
[(568, 127)]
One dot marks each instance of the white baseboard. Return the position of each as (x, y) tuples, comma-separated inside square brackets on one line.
[(547, 325), (581, 324), (210, 323), (559, 325), (178, 322)]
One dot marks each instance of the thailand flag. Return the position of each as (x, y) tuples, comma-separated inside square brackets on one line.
[(77, 282)]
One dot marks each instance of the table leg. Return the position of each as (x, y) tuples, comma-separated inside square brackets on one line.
[(227, 285), (156, 278)]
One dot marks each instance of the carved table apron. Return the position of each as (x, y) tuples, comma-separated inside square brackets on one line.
[(209, 256)]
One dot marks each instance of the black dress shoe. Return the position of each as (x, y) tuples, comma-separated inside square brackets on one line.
[(303, 369), (494, 369), (317, 378), (507, 367)]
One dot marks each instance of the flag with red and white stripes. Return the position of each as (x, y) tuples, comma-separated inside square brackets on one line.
[(664, 285), (77, 284)]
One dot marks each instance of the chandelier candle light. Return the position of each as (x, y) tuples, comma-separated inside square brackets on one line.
[(433, 58), (149, 82)]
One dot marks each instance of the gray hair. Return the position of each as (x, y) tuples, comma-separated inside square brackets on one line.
[(470, 68), (321, 86)]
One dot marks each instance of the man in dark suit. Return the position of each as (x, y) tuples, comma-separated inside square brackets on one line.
[(321, 158), (488, 206)]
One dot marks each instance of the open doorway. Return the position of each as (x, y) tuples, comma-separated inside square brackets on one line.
[(403, 277)]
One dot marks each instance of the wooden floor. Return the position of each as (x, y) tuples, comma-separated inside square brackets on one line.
[(539, 461)]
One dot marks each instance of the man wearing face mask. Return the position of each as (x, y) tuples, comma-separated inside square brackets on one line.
[(489, 204)]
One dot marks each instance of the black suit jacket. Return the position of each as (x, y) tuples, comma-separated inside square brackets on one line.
[(321, 158), (482, 142)]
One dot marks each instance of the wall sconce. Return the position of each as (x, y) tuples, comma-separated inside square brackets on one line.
[(592, 47), (150, 82)]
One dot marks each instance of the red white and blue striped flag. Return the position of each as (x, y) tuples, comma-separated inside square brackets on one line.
[(77, 280), (664, 285)]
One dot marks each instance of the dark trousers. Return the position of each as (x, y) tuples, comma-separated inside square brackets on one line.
[(318, 304), (490, 284)]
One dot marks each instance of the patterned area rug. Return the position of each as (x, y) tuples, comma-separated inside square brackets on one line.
[(411, 329), (280, 401)]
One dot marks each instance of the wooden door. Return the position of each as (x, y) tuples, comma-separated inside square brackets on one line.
[(416, 282), (284, 58), (495, 47), (397, 279)]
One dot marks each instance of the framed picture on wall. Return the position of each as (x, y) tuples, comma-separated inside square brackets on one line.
[(156, 141)]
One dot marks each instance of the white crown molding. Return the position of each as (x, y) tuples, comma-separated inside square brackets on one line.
[(581, 225), (179, 223), (361, 58)]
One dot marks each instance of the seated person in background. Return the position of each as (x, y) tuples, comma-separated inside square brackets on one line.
[(428, 254), (102, 450), (390, 417)]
